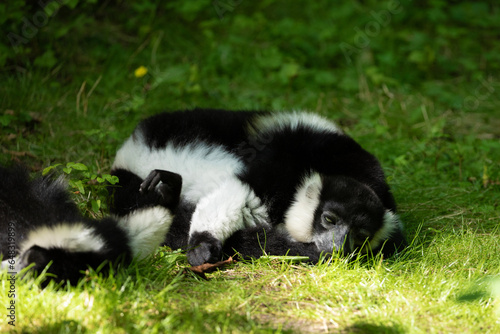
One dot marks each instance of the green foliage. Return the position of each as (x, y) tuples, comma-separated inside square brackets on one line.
[(89, 187), (10, 121), (319, 42)]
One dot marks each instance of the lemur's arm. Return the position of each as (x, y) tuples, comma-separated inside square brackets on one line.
[(231, 207)]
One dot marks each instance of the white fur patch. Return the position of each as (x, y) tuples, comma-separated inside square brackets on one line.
[(203, 167), (300, 216), (10, 264), (70, 237), (231, 207), (146, 229), (391, 223), (292, 120)]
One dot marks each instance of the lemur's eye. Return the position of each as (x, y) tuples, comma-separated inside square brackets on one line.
[(330, 218)]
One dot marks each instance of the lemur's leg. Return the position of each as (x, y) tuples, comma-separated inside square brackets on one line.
[(231, 207)]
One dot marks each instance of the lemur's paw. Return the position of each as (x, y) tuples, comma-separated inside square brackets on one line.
[(203, 248), (167, 184)]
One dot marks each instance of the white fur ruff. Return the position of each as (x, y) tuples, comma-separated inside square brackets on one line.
[(70, 237), (300, 216), (203, 167)]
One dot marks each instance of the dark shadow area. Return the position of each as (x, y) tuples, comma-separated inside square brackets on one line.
[(362, 327)]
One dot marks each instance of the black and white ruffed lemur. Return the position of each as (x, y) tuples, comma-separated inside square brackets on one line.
[(41, 225), (281, 183)]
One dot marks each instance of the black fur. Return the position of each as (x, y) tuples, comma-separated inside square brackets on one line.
[(257, 241), (205, 244), (133, 193), (214, 126)]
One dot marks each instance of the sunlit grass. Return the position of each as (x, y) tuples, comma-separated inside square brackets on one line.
[(447, 286)]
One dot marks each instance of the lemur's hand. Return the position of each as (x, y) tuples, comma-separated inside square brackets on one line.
[(167, 184)]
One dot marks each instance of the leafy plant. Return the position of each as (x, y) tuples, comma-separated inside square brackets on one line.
[(89, 187)]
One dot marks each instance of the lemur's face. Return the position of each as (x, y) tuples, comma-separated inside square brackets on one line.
[(338, 213), (350, 217)]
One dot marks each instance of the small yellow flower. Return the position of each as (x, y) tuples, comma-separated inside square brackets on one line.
[(140, 71)]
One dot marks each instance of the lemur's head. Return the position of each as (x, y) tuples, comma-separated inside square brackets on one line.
[(340, 214)]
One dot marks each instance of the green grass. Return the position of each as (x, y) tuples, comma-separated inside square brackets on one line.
[(430, 290), (437, 140)]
